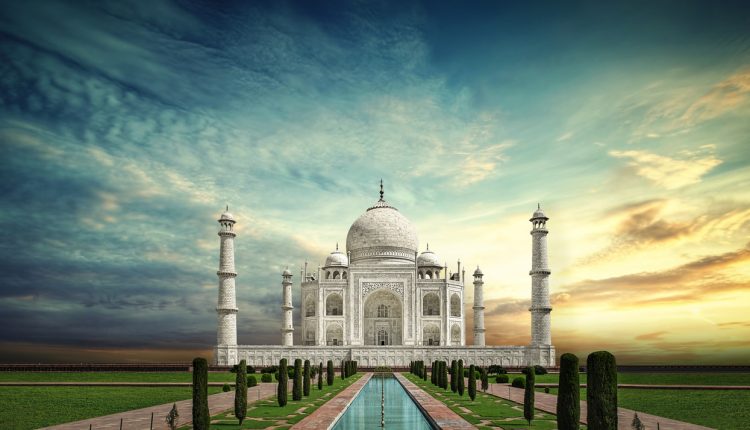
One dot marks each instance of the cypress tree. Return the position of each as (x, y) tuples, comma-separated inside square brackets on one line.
[(460, 377), (201, 417), (485, 379), (343, 365), (281, 396), (424, 373), (320, 376), (445, 375), (297, 381), (454, 376), (472, 383), (528, 395), (569, 394), (433, 373), (306, 381), (240, 392), (601, 396), (329, 373)]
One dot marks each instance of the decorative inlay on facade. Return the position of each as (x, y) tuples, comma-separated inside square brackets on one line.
[(396, 287)]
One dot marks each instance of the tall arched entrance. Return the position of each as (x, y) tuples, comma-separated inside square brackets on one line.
[(383, 322)]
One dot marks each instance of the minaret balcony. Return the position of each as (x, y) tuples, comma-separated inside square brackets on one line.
[(225, 274), (539, 272)]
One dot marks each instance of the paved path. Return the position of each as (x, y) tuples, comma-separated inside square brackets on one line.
[(440, 414), (324, 417), (140, 419), (666, 387), (108, 384), (548, 403)]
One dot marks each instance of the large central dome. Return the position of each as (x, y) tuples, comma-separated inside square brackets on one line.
[(382, 233)]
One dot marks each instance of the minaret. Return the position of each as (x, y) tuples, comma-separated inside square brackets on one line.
[(478, 308), (287, 329), (540, 305), (226, 308)]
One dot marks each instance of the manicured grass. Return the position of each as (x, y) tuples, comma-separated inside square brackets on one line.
[(486, 411), (723, 409), (661, 378), (267, 413), (113, 377), (34, 407)]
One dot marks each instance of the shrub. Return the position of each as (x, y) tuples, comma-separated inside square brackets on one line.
[(226, 388), (519, 382), (270, 369), (528, 396), (201, 418), (569, 394), (297, 381), (266, 377), (454, 376), (281, 395), (502, 379), (601, 395), (485, 381), (240, 393), (476, 374), (276, 375), (472, 383), (496, 369), (306, 379), (320, 376), (251, 381), (444, 375), (539, 370), (546, 390), (329, 373), (461, 379)]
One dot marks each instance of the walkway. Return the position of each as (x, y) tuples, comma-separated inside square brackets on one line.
[(329, 412), (665, 387), (548, 403), (140, 419), (440, 414)]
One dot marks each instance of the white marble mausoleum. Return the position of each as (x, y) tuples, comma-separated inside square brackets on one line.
[(382, 303)]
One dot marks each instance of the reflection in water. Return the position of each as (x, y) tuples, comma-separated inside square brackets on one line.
[(365, 410)]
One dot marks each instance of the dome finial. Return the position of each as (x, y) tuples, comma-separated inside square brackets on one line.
[(381, 189), (428, 246), (337, 246), (227, 208), (538, 206)]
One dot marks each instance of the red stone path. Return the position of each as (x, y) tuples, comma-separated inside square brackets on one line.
[(108, 384), (438, 411), (139, 419), (548, 403), (666, 387), (329, 412)]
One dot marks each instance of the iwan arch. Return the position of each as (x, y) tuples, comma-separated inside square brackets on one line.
[(382, 303)]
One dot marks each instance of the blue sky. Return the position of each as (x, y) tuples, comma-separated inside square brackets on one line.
[(125, 127)]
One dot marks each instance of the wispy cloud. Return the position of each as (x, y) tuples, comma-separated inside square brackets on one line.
[(668, 172)]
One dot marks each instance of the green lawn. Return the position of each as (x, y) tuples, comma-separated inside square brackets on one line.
[(662, 378), (267, 413), (716, 408), (113, 377), (486, 411), (33, 407)]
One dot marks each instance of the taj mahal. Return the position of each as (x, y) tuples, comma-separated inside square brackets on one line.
[(382, 303)]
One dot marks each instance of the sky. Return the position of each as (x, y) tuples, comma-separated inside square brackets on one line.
[(127, 126)]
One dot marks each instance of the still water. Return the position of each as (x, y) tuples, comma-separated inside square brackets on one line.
[(400, 411)]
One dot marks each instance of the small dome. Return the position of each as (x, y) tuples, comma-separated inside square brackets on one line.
[(286, 272), (478, 272), (539, 213), (428, 258), (226, 216), (337, 258)]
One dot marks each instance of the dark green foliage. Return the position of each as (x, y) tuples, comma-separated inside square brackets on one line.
[(270, 369), (460, 379), (281, 395), (454, 376), (424, 373), (172, 417), (433, 373), (266, 377), (343, 367), (236, 367), (539, 370), (476, 374), (276, 375), (546, 390), (637, 424), (320, 376), (472, 383), (297, 381), (496, 370), (201, 418), (485, 379), (528, 395), (502, 379), (601, 395), (226, 388), (329, 373), (251, 381), (569, 394), (519, 382), (306, 381), (240, 392)]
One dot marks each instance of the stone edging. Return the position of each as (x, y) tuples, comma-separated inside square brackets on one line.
[(437, 413), (327, 414)]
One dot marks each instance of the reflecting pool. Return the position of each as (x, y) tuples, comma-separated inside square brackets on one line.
[(400, 410)]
